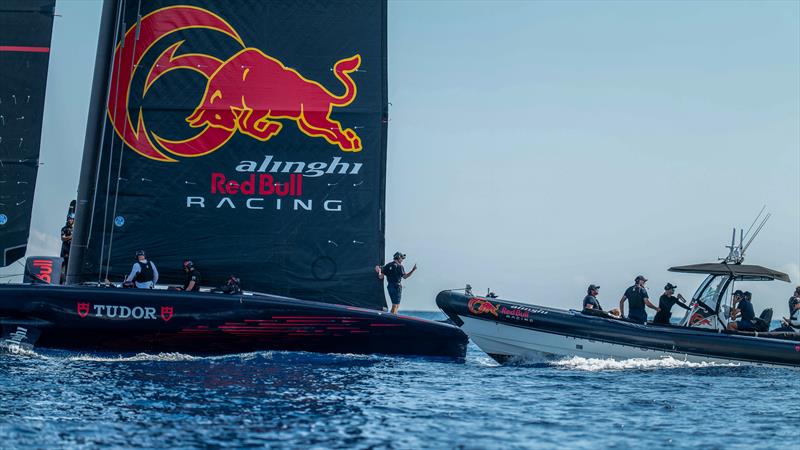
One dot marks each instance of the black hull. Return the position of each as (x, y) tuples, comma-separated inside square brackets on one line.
[(133, 320), (782, 349)]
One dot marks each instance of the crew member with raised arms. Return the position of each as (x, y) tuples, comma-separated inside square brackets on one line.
[(394, 272), (144, 273)]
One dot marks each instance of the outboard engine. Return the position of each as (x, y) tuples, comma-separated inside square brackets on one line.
[(762, 322), (43, 270)]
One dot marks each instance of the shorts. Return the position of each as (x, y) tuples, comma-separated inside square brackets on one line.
[(395, 292), (745, 325), (637, 316)]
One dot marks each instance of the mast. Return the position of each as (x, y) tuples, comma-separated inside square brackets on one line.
[(92, 143)]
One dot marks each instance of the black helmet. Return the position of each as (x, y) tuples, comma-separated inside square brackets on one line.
[(140, 253), (640, 277), (747, 295), (71, 216), (670, 286), (188, 264), (399, 255)]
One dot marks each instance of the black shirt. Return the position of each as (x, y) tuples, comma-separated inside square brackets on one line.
[(591, 300), (192, 275), (393, 272), (746, 309), (665, 303), (636, 296)]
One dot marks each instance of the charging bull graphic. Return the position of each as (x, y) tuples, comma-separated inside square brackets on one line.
[(482, 306), (251, 92)]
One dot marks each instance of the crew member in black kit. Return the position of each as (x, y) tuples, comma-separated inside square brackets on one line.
[(638, 298), (192, 283), (665, 303), (394, 272), (66, 237)]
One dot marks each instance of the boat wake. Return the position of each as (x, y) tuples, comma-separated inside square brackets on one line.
[(139, 357), (609, 364)]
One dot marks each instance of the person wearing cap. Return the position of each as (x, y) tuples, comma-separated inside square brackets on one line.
[(638, 298), (192, 283), (143, 273), (590, 301), (745, 313), (665, 303), (394, 273), (66, 237)]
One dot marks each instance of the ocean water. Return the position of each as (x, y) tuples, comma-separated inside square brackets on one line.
[(56, 399)]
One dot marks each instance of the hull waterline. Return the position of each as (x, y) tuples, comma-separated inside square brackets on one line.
[(132, 320)]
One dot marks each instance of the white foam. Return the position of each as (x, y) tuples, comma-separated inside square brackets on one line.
[(136, 358), (598, 364)]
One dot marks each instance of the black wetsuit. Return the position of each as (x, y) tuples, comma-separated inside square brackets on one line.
[(665, 303)]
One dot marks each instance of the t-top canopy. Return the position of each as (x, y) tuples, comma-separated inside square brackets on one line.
[(739, 270)]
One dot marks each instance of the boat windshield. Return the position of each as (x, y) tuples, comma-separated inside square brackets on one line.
[(708, 295)]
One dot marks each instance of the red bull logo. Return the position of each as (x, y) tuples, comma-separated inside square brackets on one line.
[(482, 306), (45, 268), (251, 92), (698, 319)]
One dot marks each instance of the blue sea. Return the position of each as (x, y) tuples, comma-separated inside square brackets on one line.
[(56, 399)]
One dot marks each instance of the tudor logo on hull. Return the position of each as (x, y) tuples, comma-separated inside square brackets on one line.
[(86, 309), (235, 98)]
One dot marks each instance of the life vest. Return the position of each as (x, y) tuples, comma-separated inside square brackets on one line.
[(145, 272)]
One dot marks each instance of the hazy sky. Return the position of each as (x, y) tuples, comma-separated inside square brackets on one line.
[(535, 147)]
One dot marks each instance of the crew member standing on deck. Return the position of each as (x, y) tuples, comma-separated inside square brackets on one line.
[(638, 298), (143, 273), (66, 237), (394, 272), (665, 303)]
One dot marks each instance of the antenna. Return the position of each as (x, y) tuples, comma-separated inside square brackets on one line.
[(755, 220), (758, 230), (736, 253)]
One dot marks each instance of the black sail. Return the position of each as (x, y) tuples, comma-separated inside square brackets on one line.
[(247, 136), (25, 31)]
